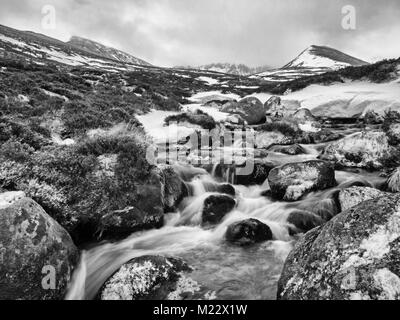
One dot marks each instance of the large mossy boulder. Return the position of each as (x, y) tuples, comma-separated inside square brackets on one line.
[(104, 176), (144, 278), (292, 181), (354, 256), (249, 109), (37, 255), (366, 149)]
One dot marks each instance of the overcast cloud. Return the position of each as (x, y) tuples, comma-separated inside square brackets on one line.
[(194, 32)]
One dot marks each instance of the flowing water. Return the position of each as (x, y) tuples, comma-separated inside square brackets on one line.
[(228, 271)]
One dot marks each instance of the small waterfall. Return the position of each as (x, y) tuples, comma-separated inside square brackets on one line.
[(205, 248)]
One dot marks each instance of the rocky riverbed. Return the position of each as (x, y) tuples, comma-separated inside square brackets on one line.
[(318, 208)]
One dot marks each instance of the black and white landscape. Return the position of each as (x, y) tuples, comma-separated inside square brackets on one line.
[(275, 175)]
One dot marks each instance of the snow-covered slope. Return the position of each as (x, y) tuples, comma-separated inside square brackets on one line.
[(312, 61), (350, 99), (104, 51), (229, 68), (37, 48)]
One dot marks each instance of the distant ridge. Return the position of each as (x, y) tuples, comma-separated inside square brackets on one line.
[(104, 51)]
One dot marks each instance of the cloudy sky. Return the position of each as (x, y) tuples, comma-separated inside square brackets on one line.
[(195, 32)]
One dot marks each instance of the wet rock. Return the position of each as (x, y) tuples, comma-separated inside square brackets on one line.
[(362, 150), (272, 106), (277, 108), (254, 172), (119, 224), (371, 117), (174, 189), (249, 109), (304, 114), (292, 181), (304, 221), (354, 256), (393, 182), (353, 196), (306, 121), (321, 136), (216, 207), (267, 139), (251, 173), (37, 255), (144, 278), (248, 232), (292, 150)]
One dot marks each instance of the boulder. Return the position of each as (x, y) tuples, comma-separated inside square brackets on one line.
[(144, 278), (266, 139), (235, 119), (306, 121), (292, 181), (362, 150), (304, 221), (321, 136), (355, 256), (292, 150), (216, 207), (277, 108), (353, 196), (119, 224), (249, 109), (37, 255), (174, 189), (248, 232), (272, 106), (304, 114), (251, 173)]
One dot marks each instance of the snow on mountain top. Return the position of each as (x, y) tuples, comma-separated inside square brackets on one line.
[(314, 60), (323, 57)]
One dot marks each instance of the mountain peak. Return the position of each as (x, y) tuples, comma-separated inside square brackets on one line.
[(316, 56)]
